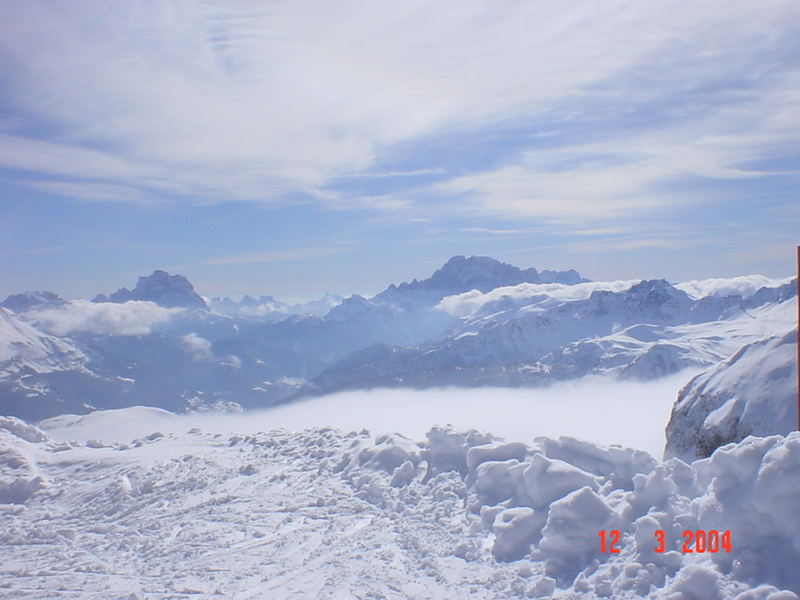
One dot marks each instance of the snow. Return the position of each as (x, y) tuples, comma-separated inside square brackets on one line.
[(23, 346), (321, 513), (648, 330), (140, 503), (753, 392)]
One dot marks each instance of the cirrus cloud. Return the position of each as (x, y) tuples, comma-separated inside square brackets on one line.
[(208, 102)]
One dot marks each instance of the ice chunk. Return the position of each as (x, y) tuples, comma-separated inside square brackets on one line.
[(497, 481), (515, 530), (404, 474), (695, 581), (389, 452), (615, 463), (545, 480), (497, 452), (447, 449), (569, 538)]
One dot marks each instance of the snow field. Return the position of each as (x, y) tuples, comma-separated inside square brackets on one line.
[(324, 514)]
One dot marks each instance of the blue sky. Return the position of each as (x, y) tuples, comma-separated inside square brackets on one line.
[(294, 148)]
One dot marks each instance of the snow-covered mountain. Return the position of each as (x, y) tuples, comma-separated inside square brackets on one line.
[(533, 334), (160, 345), (29, 359), (325, 514), (754, 392), (189, 509)]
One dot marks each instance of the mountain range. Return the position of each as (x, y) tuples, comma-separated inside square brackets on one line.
[(474, 322)]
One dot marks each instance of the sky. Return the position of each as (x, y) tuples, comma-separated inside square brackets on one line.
[(300, 147)]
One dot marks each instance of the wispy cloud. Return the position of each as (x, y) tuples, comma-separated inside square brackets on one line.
[(493, 231), (203, 102), (636, 173), (279, 256), (635, 242)]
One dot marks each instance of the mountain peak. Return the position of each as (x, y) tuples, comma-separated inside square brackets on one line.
[(462, 274), (27, 300), (161, 288), (479, 272)]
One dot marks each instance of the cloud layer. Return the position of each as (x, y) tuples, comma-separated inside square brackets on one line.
[(596, 409), (130, 318), (543, 294)]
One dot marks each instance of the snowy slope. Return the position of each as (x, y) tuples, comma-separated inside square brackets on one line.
[(25, 346), (31, 364), (323, 514), (753, 392)]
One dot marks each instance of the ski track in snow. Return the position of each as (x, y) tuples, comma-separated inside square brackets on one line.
[(324, 514)]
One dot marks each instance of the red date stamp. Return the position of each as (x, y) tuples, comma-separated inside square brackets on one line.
[(694, 541)]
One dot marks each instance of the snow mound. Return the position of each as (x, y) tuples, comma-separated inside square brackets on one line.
[(121, 424), (20, 478), (21, 429), (325, 514)]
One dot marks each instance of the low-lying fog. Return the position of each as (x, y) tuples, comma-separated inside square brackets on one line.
[(595, 409)]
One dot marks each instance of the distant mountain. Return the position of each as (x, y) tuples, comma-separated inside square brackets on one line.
[(272, 309), (461, 274), (30, 300), (474, 322), (528, 336), (170, 291)]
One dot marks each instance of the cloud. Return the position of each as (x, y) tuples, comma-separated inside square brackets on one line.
[(635, 242), (278, 256), (497, 231), (745, 285), (199, 347), (204, 102), (129, 318), (469, 303), (637, 173), (600, 410)]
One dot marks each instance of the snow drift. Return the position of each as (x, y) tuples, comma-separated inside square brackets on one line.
[(324, 514)]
